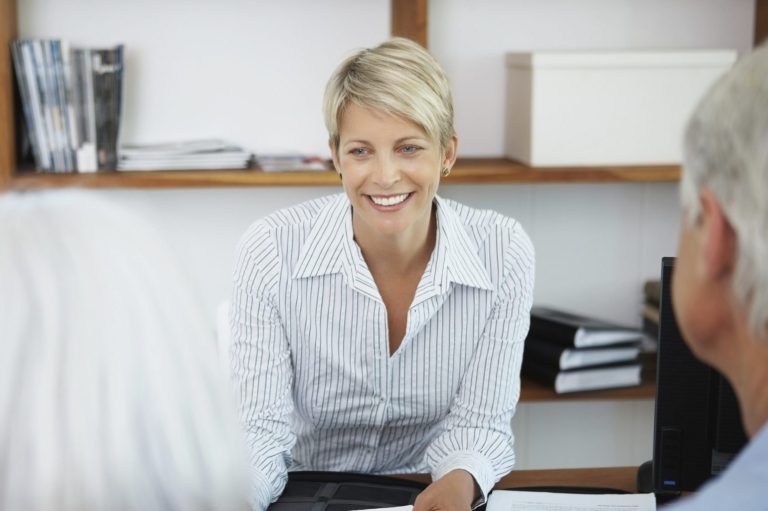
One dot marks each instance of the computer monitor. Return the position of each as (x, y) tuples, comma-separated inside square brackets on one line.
[(698, 427)]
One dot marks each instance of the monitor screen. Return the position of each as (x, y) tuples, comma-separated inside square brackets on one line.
[(698, 427)]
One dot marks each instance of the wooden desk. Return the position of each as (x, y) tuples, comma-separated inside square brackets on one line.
[(619, 478)]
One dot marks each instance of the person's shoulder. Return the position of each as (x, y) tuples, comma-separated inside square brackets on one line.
[(304, 213), (296, 218), (738, 487), (486, 225)]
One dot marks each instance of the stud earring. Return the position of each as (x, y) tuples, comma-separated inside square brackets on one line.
[(446, 171)]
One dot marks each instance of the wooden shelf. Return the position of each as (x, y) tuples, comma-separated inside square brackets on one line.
[(531, 391), (409, 18), (534, 392), (476, 170), (500, 170), (175, 179)]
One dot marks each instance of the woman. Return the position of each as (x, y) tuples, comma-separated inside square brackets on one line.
[(110, 393), (381, 330)]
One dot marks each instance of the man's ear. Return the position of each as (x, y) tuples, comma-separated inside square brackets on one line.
[(719, 237)]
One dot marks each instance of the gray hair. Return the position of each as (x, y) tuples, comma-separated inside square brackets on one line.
[(398, 77), (726, 151), (110, 393)]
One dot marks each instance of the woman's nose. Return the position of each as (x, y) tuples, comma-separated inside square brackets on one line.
[(386, 173)]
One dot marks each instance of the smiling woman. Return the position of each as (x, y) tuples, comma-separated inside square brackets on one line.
[(391, 170), (381, 330)]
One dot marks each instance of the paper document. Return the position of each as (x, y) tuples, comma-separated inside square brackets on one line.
[(504, 500), (401, 508)]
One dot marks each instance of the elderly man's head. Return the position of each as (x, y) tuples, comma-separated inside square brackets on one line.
[(720, 288)]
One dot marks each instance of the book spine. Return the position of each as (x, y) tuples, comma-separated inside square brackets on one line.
[(543, 352), (538, 372), (63, 105), (552, 331), (107, 80), (72, 100), (47, 103), (36, 104), (54, 106), (608, 376), (29, 122), (87, 154)]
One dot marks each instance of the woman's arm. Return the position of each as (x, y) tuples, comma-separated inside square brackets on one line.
[(261, 365), (477, 436)]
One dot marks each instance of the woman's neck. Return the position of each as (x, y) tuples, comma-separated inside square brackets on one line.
[(398, 254)]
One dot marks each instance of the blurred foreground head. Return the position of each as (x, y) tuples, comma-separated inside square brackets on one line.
[(110, 392), (726, 169)]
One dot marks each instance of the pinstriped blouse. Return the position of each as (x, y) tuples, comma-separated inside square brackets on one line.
[(318, 388)]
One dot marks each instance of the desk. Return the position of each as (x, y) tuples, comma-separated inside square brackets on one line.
[(620, 478)]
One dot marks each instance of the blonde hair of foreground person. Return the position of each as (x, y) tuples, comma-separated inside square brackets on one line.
[(398, 77), (110, 393)]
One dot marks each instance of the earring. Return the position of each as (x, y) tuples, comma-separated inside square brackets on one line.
[(446, 171)]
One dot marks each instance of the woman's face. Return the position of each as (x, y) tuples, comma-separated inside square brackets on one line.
[(390, 171)]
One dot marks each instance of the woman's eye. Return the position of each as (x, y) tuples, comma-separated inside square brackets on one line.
[(409, 149), (358, 151)]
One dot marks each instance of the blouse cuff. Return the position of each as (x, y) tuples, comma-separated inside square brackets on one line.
[(474, 463), (262, 493)]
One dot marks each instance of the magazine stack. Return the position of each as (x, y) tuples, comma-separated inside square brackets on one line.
[(71, 100), (201, 154)]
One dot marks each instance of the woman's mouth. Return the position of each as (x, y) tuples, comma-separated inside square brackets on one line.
[(390, 200)]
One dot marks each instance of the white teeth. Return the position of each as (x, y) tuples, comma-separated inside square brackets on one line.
[(389, 201)]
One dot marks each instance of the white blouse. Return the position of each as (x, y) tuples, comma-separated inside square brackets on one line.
[(318, 388)]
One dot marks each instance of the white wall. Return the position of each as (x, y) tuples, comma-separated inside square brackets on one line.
[(574, 434), (470, 39), (253, 72), (250, 71)]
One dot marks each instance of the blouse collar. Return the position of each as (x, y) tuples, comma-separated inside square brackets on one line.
[(330, 248)]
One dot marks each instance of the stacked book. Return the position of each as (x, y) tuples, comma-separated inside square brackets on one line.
[(185, 155), (71, 100), (575, 353), (286, 162)]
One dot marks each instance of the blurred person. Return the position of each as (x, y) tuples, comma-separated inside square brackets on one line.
[(720, 283), (110, 393)]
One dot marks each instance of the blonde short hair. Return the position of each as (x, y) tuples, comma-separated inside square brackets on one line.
[(398, 77)]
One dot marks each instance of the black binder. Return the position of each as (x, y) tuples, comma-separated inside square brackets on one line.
[(341, 491)]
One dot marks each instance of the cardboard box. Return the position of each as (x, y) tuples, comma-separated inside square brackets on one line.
[(605, 108)]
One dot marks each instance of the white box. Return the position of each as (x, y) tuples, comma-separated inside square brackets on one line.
[(605, 108)]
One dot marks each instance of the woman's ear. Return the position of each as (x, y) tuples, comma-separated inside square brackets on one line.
[(719, 243), (334, 157), (450, 151)]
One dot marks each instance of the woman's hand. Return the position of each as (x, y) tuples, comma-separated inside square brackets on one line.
[(455, 491)]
